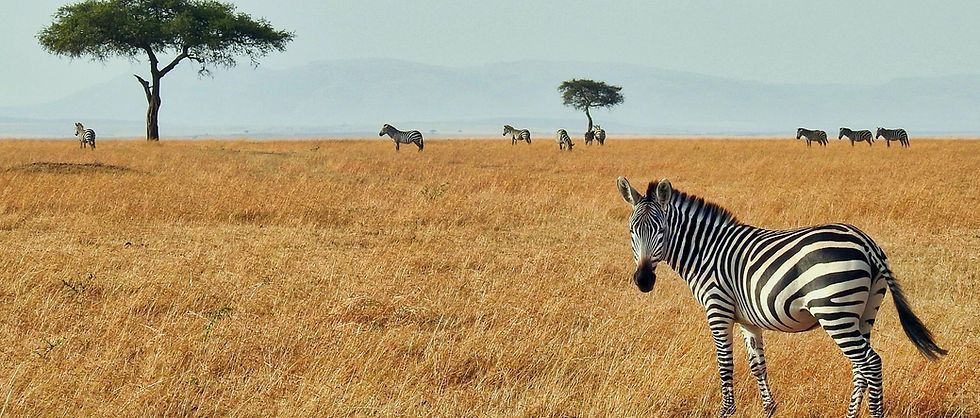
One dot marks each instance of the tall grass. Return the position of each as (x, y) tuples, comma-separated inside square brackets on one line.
[(475, 278)]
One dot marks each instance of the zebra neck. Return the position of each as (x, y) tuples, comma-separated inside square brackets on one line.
[(696, 231)]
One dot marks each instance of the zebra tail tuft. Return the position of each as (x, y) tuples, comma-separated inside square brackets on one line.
[(913, 326)]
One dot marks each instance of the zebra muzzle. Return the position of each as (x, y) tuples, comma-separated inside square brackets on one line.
[(645, 276)]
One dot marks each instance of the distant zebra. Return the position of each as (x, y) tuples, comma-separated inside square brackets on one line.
[(402, 137), (856, 136), (589, 137), (816, 135), (563, 140), (832, 276), (600, 135), (517, 134), (85, 136), (893, 135)]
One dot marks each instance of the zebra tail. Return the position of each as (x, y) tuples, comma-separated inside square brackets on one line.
[(913, 326)]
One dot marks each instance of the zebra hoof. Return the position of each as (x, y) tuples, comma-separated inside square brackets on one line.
[(769, 409)]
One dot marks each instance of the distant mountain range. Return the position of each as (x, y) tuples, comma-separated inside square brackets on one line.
[(355, 97)]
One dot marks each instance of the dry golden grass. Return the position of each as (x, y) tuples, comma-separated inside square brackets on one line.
[(475, 278)]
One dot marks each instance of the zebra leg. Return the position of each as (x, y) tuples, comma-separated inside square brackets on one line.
[(721, 332), (397, 146), (757, 363), (845, 329)]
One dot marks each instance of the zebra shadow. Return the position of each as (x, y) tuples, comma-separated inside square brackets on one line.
[(70, 168)]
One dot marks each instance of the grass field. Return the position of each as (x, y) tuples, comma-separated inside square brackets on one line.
[(476, 278)]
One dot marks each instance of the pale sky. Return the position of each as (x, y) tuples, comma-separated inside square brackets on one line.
[(866, 42)]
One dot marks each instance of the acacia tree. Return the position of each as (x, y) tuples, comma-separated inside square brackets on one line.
[(207, 32), (587, 94)]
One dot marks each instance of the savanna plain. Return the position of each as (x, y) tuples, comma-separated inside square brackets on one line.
[(476, 278)]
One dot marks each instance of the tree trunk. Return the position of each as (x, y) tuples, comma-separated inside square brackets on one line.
[(153, 112), (588, 115), (152, 92)]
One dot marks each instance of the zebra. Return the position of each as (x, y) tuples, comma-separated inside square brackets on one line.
[(856, 136), (817, 136), (600, 135), (517, 134), (85, 136), (833, 276), (893, 135), (564, 141), (589, 137), (403, 137)]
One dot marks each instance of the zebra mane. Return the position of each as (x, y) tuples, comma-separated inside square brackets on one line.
[(707, 208)]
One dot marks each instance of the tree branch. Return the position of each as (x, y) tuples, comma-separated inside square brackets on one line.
[(154, 62), (184, 53), (146, 87)]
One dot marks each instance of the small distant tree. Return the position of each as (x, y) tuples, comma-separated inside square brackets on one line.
[(207, 32), (587, 94)]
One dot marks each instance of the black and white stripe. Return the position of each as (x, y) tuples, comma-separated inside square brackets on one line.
[(600, 135), (563, 140), (893, 135), (833, 276), (856, 136), (402, 137), (812, 135), (517, 134), (85, 136)]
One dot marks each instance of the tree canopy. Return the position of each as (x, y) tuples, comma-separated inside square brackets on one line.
[(210, 33), (586, 94)]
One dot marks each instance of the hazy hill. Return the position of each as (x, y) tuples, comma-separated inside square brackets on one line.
[(357, 96)]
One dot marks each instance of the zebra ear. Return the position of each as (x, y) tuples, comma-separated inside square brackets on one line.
[(664, 191), (630, 195)]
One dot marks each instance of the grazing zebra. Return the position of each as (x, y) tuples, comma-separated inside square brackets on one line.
[(517, 134), (563, 140), (833, 276), (589, 136), (893, 135), (402, 137), (600, 135), (85, 136), (856, 136), (817, 136)]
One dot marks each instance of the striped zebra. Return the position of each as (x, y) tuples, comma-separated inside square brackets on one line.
[(589, 137), (856, 136), (833, 276), (517, 134), (893, 135), (816, 135), (600, 135), (85, 136), (564, 141), (402, 137)]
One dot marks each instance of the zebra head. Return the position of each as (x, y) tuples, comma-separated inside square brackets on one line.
[(647, 228), (384, 130), (508, 129), (841, 134), (799, 133), (879, 133), (79, 129)]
